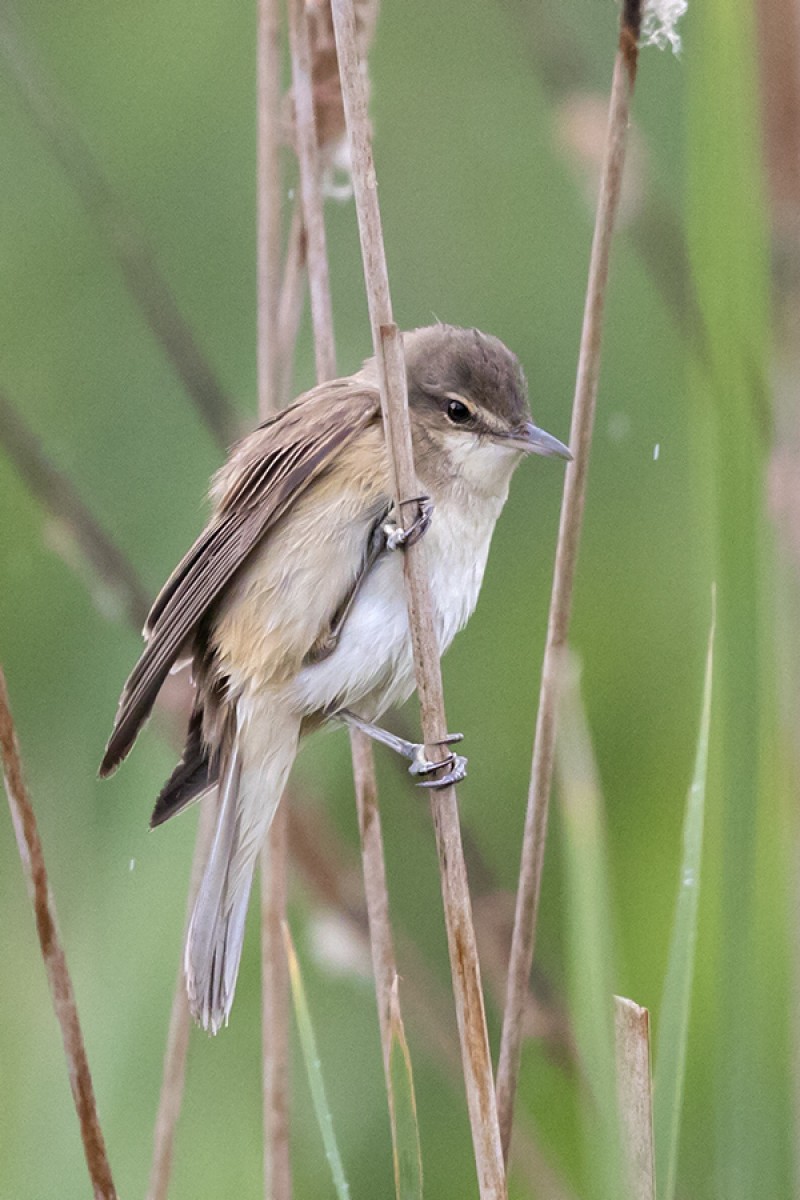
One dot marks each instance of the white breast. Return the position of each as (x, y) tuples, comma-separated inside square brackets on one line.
[(372, 666)]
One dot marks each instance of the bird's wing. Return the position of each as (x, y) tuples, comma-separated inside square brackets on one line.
[(265, 475)]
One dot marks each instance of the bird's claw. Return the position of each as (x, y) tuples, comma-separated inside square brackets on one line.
[(455, 764), (458, 771), (397, 536)]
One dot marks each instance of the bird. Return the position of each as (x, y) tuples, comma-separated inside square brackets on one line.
[(290, 606)]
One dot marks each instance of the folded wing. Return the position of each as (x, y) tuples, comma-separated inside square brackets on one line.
[(265, 475)]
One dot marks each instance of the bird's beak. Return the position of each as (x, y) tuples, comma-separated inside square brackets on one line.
[(533, 440)]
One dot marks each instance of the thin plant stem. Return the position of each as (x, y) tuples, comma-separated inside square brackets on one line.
[(364, 778), (407, 1152), (376, 892), (476, 1061), (290, 303), (534, 837), (269, 201), (324, 868), (590, 939), (275, 1010), (268, 198), (173, 1071), (111, 579), (279, 318), (60, 499), (311, 192), (114, 574), (653, 226), (316, 1082), (272, 361), (122, 234), (58, 977)]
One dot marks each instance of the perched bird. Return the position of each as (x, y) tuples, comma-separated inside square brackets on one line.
[(291, 608)]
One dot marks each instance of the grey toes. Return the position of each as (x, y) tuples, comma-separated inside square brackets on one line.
[(456, 771)]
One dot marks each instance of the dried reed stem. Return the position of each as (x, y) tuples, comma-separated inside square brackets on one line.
[(566, 557), (290, 304), (274, 362), (323, 864), (635, 1097), (275, 1010), (268, 201), (268, 198), (364, 779), (268, 250), (59, 497), (388, 346), (173, 1071), (311, 192), (58, 977), (123, 235), (114, 573), (376, 892), (111, 573)]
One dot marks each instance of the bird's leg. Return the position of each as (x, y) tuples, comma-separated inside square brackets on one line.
[(327, 642), (384, 535), (397, 535), (414, 751)]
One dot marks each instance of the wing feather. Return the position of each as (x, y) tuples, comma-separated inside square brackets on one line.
[(266, 473)]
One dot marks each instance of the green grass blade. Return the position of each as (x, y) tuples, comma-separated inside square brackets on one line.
[(673, 1029), (403, 1110), (590, 939), (314, 1070), (729, 251)]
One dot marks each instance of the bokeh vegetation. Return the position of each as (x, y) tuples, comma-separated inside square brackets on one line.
[(485, 129)]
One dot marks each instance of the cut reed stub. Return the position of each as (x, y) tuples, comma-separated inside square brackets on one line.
[(635, 1097)]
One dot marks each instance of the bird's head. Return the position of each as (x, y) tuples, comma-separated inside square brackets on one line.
[(469, 402)]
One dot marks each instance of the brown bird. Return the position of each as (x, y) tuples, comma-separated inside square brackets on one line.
[(291, 608)]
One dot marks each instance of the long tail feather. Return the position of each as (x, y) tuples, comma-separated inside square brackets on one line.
[(252, 782)]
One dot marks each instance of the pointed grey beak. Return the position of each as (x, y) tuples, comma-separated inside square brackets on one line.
[(535, 441)]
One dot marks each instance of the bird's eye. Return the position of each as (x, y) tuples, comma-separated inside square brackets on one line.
[(458, 412)]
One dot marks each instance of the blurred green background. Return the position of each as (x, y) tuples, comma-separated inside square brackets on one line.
[(487, 132)]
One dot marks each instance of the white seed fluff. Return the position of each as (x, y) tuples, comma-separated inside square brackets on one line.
[(660, 23)]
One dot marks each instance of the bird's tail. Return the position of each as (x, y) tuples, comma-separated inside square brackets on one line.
[(255, 769)]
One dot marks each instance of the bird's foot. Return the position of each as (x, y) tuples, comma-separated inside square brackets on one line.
[(397, 536), (454, 765)]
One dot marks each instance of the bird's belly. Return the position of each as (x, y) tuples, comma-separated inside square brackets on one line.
[(372, 666)]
